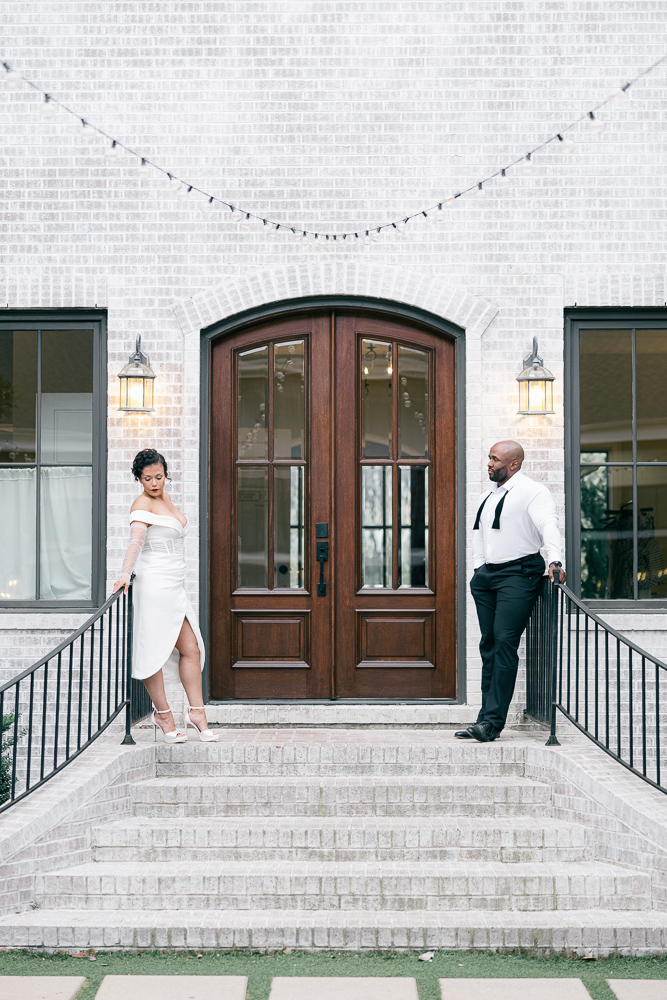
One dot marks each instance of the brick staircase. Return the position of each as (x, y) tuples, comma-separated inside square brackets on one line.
[(407, 840)]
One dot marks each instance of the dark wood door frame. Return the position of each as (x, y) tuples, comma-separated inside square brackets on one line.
[(379, 307)]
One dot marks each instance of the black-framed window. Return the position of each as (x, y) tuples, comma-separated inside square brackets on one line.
[(617, 518), (52, 469)]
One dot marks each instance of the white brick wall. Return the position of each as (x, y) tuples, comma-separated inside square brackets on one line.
[(334, 114)]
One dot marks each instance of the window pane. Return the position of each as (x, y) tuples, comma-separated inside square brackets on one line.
[(252, 399), (253, 526), (376, 525), (66, 533), (288, 545), (67, 396), (17, 534), (652, 533), (412, 403), (289, 397), (606, 533), (18, 395), (605, 393), (376, 399), (413, 548), (651, 395)]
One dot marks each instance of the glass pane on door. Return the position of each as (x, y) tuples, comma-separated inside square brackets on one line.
[(252, 515), (288, 546), (252, 403), (413, 409), (289, 400), (376, 399), (376, 531), (413, 547)]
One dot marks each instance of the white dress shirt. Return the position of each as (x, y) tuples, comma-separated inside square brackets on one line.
[(528, 522)]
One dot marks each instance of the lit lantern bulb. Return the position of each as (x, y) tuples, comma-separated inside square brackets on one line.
[(12, 77)]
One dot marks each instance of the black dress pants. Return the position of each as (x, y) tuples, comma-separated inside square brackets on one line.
[(504, 597)]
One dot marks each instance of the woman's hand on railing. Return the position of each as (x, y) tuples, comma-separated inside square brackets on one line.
[(122, 581), (561, 574)]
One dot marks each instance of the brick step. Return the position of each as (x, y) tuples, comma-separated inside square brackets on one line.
[(382, 795), (334, 838), (596, 933), (306, 885), (344, 753)]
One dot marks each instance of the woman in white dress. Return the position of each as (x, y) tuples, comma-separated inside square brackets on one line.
[(166, 639)]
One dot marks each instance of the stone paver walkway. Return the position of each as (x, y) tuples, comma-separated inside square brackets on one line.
[(173, 988), (40, 987), (342, 988), (639, 989), (513, 989)]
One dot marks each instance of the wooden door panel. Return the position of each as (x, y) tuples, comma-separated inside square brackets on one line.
[(271, 640), (393, 640), (375, 471)]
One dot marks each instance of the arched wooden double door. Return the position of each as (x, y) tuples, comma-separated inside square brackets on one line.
[(332, 510)]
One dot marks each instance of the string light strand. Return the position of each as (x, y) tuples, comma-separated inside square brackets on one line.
[(372, 233)]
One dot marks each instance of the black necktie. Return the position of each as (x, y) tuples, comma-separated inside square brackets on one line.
[(499, 510)]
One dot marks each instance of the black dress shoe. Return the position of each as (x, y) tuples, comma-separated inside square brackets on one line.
[(484, 732), (463, 734)]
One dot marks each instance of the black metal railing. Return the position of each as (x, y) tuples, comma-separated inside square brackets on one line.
[(611, 689), (56, 708)]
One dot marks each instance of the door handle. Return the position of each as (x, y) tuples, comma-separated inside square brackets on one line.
[(322, 555)]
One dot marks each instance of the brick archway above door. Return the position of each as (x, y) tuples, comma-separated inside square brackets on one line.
[(437, 295)]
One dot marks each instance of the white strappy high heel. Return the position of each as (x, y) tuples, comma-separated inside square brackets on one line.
[(205, 735), (174, 737)]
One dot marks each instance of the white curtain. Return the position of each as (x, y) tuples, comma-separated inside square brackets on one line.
[(66, 533), (17, 534)]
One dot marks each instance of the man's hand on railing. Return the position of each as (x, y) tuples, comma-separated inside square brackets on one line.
[(560, 576)]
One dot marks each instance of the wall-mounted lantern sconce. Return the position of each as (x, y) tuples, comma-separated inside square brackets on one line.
[(136, 383), (536, 389)]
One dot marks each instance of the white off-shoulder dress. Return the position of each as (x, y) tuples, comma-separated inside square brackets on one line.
[(160, 603)]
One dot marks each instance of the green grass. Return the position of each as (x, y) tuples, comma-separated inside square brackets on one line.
[(260, 968)]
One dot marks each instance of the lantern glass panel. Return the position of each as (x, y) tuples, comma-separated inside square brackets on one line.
[(148, 393)]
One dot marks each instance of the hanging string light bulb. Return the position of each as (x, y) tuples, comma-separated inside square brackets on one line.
[(597, 124), (481, 193), (527, 164), (143, 167), (246, 221), (12, 77), (208, 205), (112, 150), (184, 192), (47, 106), (504, 179), (237, 214), (87, 131), (174, 182)]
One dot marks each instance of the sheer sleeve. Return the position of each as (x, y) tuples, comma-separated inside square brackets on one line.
[(138, 530)]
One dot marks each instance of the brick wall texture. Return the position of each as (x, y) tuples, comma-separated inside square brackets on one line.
[(337, 115)]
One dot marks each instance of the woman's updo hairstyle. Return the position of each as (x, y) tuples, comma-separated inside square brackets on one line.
[(149, 456)]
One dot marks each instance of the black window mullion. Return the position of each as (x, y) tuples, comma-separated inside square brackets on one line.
[(38, 468), (635, 512)]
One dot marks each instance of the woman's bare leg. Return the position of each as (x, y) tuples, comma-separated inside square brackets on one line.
[(155, 688), (189, 669)]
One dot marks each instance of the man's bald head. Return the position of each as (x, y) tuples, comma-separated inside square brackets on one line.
[(505, 459), (511, 450)]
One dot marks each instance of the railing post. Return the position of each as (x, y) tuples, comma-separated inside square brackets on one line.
[(128, 739), (553, 654)]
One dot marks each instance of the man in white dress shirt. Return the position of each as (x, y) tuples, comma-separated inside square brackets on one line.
[(516, 518)]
